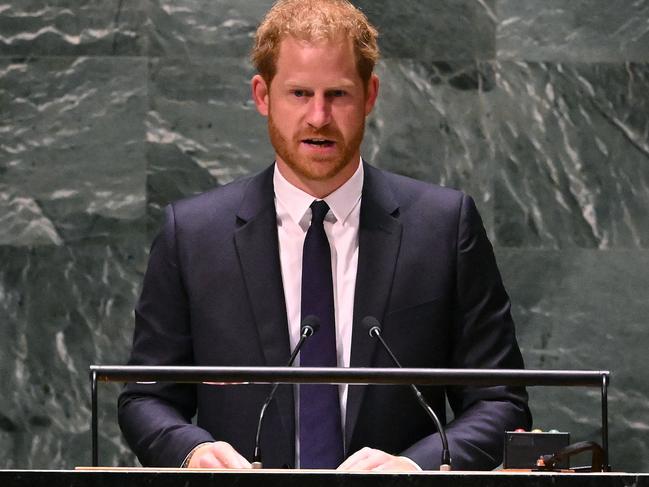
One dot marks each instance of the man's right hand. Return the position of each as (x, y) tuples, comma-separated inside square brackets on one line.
[(217, 455)]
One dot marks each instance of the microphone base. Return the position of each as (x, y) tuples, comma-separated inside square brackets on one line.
[(444, 467), (257, 465)]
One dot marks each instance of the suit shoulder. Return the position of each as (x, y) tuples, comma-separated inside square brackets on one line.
[(211, 214), (411, 193), (228, 194)]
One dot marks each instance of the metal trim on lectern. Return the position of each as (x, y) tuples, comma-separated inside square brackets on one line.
[(344, 375)]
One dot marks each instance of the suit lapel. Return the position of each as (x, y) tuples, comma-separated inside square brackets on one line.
[(258, 250), (379, 241)]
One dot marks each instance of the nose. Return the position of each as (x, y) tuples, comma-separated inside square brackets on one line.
[(319, 111)]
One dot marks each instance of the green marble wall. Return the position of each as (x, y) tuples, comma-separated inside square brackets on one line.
[(109, 109)]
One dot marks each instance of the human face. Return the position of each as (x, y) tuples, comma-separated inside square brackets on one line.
[(316, 106)]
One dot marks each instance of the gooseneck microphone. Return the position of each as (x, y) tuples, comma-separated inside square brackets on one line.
[(310, 325), (374, 329)]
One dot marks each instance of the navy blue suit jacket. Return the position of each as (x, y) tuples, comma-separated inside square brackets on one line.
[(213, 295)]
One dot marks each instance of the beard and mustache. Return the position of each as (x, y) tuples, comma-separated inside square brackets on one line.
[(315, 167)]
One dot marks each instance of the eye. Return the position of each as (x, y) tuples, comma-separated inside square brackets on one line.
[(299, 93), (337, 93)]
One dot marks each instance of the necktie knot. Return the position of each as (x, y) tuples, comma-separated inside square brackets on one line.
[(319, 210)]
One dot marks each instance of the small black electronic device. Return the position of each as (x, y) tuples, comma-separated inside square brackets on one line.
[(524, 448)]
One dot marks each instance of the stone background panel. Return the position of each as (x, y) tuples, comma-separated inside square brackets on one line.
[(110, 109)]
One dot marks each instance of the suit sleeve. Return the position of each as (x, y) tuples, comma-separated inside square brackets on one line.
[(156, 418), (483, 336)]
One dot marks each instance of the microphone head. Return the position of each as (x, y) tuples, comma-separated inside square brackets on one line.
[(372, 326), (310, 325)]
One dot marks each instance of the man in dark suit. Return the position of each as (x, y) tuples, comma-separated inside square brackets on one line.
[(223, 282)]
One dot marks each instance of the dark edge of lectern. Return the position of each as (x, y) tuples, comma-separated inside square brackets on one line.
[(338, 375), (93, 407)]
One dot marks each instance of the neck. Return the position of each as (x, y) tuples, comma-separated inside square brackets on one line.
[(316, 187)]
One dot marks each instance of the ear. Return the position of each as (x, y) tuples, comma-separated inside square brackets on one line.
[(260, 94), (372, 93)]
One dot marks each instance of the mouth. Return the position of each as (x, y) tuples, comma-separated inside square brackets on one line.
[(318, 142)]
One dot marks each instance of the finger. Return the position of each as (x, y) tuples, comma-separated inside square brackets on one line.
[(384, 467), (354, 458), (397, 464), (228, 457), (218, 455), (236, 460), (369, 463), (202, 457), (369, 460), (208, 460)]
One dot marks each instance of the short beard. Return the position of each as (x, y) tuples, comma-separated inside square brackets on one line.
[(306, 169)]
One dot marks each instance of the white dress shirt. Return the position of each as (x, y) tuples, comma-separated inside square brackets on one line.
[(341, 226)]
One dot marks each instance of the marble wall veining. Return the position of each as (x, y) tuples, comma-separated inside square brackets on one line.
[(572, 149), (111, 109)]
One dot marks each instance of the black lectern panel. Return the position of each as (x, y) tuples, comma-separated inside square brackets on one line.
[(153, 478)]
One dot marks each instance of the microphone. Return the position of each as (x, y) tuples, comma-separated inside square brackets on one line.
[(374, 329), (310, 325)]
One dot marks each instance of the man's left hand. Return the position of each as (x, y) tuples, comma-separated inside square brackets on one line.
[(377, 460)]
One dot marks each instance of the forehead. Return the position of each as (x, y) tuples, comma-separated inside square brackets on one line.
[(326, 59)]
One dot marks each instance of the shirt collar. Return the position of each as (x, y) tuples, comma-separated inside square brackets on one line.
[(296, 202)]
